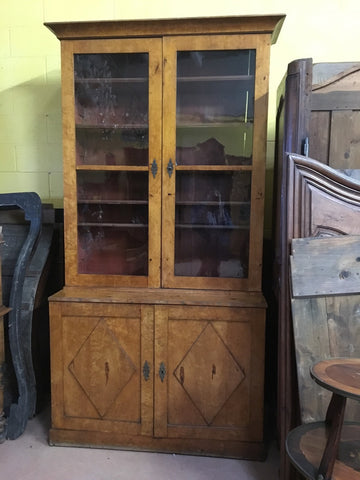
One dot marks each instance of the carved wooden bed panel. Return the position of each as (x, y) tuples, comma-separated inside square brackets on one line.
[(318, 114), (321, 201)]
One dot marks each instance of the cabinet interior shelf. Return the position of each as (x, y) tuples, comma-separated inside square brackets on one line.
[(117, 225), (131, 80), (181, 124), (112, 127), (105, 80), (221, 124), (134, 168), (190, 203), (111, 202), (211, 227)]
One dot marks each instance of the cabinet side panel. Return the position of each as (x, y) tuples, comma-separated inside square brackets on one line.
[(57, 391)]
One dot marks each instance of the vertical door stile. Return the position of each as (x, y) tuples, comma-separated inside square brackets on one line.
[(147, 365), (69, 163), (161, 373), (155, 143), (259, 160), (169, 153)]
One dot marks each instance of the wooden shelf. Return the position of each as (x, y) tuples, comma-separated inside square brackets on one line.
[(215, 78), (105, 80), (111, 202), (200, 203), (113, 224), (115, 127), (305, 446), (212, 227)]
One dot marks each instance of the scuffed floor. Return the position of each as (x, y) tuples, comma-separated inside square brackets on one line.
[(31, 458)]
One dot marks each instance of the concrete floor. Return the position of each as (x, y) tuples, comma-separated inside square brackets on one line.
[(31, 458)]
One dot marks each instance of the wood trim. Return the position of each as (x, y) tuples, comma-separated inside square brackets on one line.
[(260, 24), (161, 384), (161, 296), (147, 385)]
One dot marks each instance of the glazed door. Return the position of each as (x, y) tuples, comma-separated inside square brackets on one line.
[(213, 161), (112, 166)]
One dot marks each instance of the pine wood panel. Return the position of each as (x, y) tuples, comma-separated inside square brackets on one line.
[(325, 325), (326, 267), (344, 150), (319, 135)]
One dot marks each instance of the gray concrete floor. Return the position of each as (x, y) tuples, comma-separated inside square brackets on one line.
[(31, 458)]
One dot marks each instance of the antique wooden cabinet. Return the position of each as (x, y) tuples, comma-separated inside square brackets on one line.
[(157, 339)]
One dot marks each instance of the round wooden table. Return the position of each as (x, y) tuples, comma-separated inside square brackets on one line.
[(330, 450)]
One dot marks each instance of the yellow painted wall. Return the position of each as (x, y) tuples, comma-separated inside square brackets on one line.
[(30, 111)]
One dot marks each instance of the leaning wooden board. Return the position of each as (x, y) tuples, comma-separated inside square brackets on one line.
[(325, 302), (3, 311)]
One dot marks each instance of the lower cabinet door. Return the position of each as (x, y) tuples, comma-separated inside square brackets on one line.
[(183, 379), (102, 368), (209, 373)]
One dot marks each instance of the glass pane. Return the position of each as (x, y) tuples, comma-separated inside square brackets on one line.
[(215, 107), (111, 109), (113, 222), (212, 224)]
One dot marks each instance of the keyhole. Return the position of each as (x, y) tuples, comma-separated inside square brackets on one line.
[(182, 375), (107, 372), (213, 372)]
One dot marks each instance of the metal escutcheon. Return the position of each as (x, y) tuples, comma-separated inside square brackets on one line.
[(170, 168), (146, 370), (154, 168), (162, 371)]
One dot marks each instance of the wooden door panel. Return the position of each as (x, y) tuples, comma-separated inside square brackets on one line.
[(102, 367), (213, 382)]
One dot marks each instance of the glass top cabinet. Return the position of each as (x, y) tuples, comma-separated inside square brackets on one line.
[(164, 160)]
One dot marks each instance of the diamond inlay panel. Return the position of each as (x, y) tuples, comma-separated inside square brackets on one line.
[(102, 367), (209, 373)]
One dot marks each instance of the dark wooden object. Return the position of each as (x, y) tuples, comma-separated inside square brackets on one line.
[(3, 311), (327, 450), (306, 120), (19, 326)]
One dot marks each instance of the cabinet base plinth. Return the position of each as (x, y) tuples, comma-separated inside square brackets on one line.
[(209, 448)]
